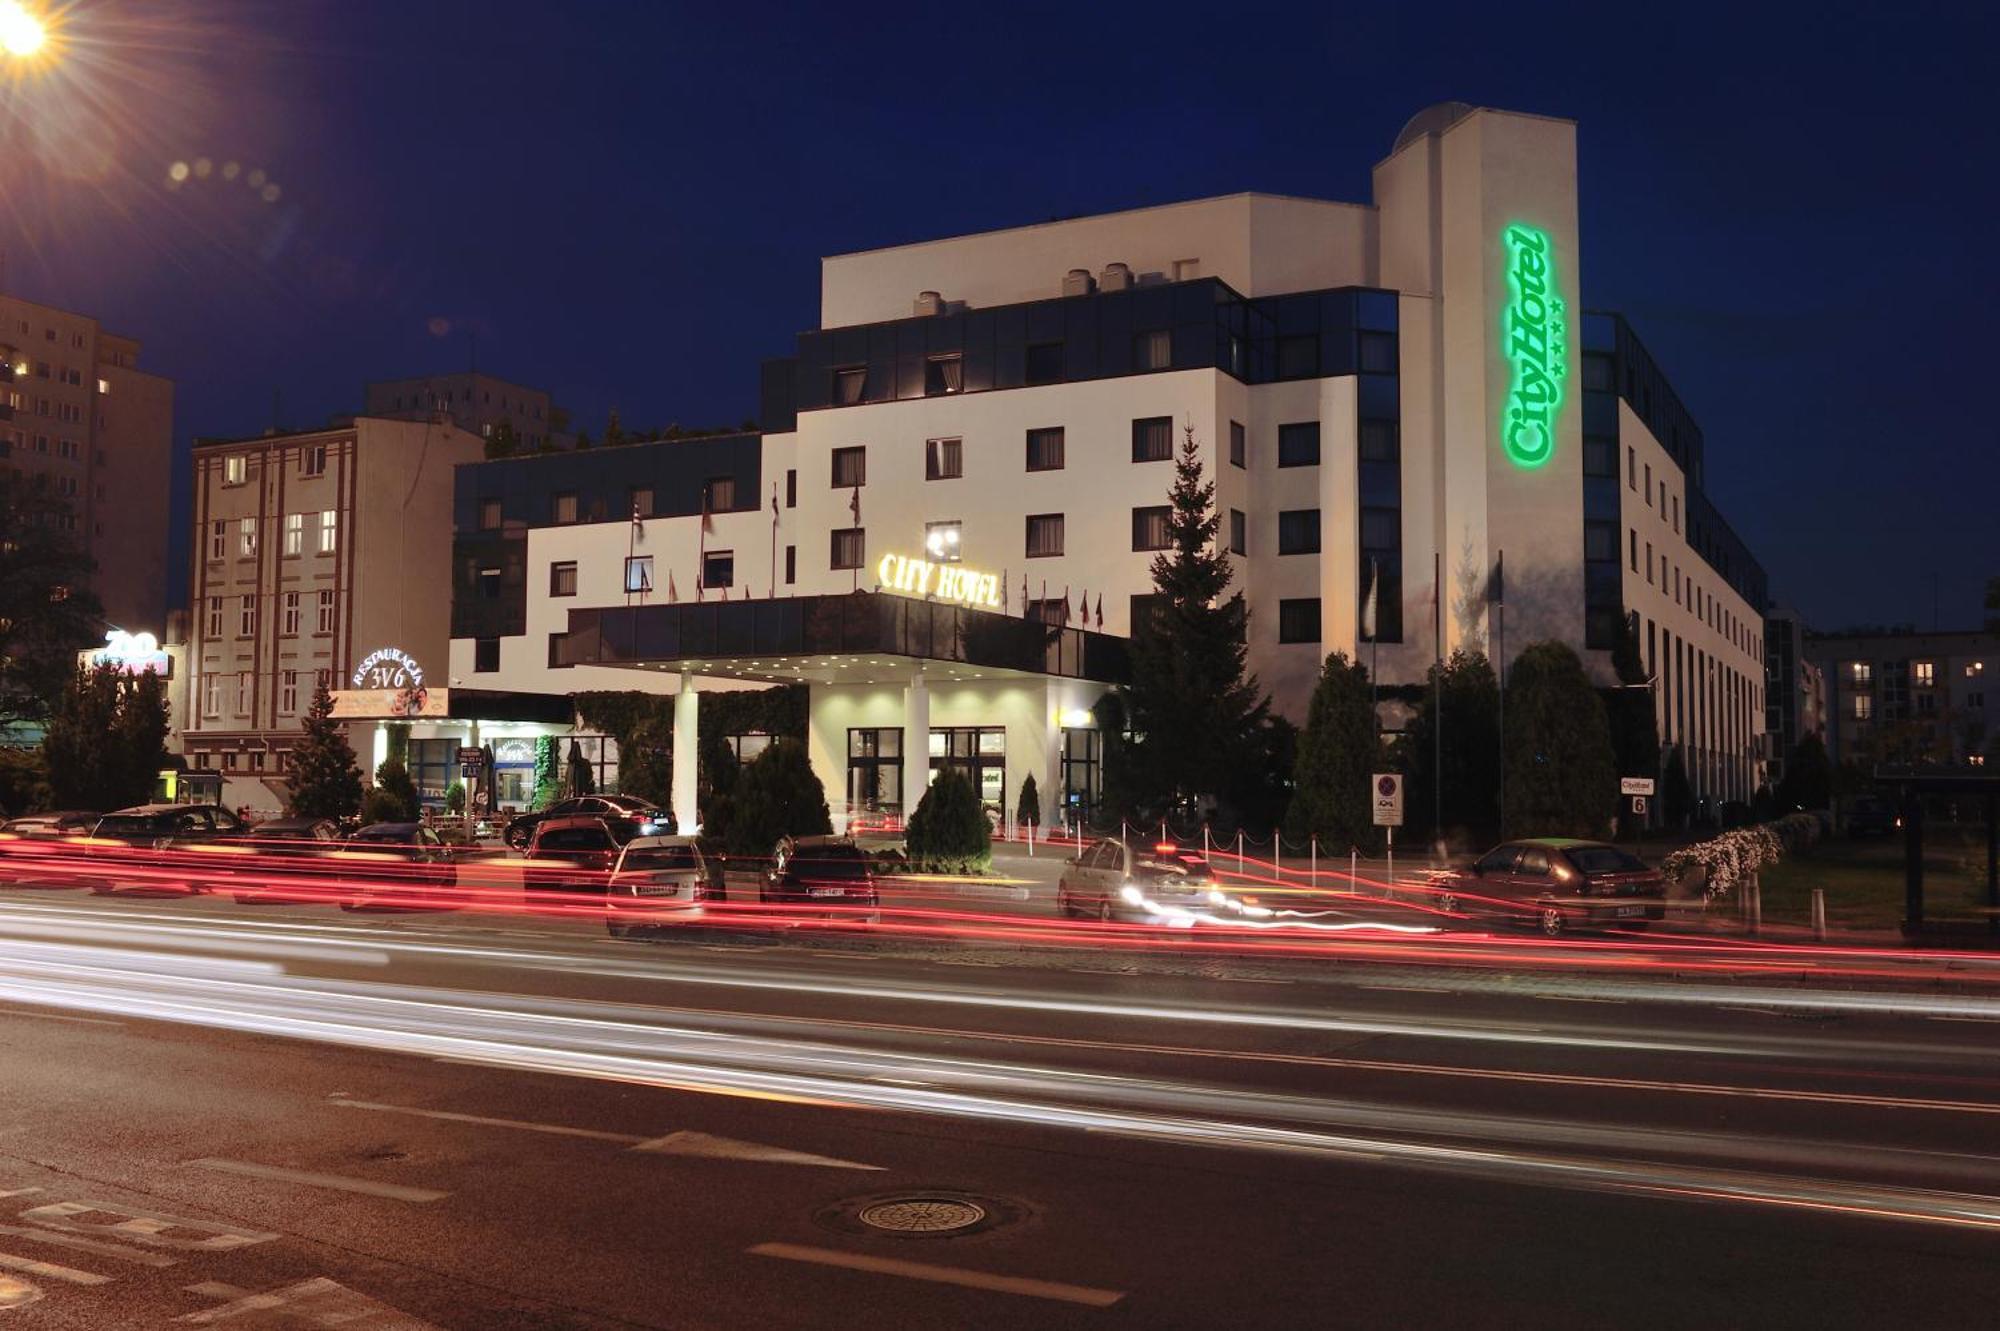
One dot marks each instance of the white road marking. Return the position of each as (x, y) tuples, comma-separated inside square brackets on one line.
[(1246, 979), (367, 1187), (448, 1116), (29, 1266), (57, 1016), (727, 1148), (139, 1255), (315, 1302), (943, 1275)]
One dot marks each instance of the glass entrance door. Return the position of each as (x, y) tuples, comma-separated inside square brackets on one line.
[(980, 752)]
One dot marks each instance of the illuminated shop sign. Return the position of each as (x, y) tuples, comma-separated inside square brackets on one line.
[(130, 654), (388, 668), (947, 582), (1536, 334)]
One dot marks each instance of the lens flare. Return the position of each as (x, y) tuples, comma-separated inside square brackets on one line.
[(21, 33)]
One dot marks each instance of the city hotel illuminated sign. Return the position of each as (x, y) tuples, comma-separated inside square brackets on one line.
[(1536, 335), (947, 582)]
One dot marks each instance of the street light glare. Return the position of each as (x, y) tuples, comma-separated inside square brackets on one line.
[(21, 33)]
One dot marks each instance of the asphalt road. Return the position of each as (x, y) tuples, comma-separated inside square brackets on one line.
[(289, 1117)]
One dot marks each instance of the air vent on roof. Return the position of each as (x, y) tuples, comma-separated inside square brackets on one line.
[(1116, 277), (928, 302), (1078, 282)]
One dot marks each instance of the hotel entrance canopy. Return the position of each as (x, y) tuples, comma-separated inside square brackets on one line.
[(860, 637)]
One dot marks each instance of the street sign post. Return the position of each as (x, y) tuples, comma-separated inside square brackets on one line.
[(1386, 793), (1635, 785)]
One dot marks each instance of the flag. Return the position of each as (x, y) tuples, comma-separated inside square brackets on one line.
[(707, 518), (1496, 582), (1003, 591), (854, 506), (638, 526), (1083, 608), (774, 503), (673, 593), (1100, 612), (1065, 618), (1025, 601), (1368, 606)]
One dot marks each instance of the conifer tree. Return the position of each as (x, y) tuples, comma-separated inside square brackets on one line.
[(324, 780)]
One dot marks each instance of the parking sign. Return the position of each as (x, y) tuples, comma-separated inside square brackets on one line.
[(1387, 789)]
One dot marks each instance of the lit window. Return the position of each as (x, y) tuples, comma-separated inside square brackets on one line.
[(638, 574), (235, 469), (942, 539), (944, 374), (1864, 707), (246, 536), (295, 533), (1861, 673), (1974, 669), (1924, 672), (329, 531)]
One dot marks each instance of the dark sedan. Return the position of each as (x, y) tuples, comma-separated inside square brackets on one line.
[(652, 820), (158, 847), (285, 860), (395, 865), (575, 855), (40, 849), (1557, 884), (829, 873)]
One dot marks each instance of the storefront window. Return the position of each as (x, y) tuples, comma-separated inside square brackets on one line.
[(980, 752), (1079, 774), (874, 770)]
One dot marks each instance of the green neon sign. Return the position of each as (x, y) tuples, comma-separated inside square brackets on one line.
[(1535, 332)]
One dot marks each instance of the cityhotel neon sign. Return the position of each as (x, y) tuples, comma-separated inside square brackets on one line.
[(1536, 335), (947, 582)]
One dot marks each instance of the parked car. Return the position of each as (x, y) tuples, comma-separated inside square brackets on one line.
[(1136, 879), (401, 865), (821, 871), (657, 880), (654, 821), (1871, 815), (284, 861), (32, 853), (1557, 884), (118, 847), (576, 854)]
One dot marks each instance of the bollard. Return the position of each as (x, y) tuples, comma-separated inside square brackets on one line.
[(1819, 914), (1312, 862), (1754, 901), (1353, 869), (1239, 852), (1207, 846)]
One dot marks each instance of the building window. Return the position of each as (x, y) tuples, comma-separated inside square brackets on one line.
[(791, 564), (639, 574), (288, 691), (1045, 363), (1677, 515), (1864, 707), (1649, 485), (1239, 532), (312, 462), (218, 539), (850, 385), (718, 569), (213, 624), (1974, 669), (485, 656), (1633, 534), (1860, 673), (1600, 541), (850, 547), (718, 494), (295, 533), (1153, 350), (642, 501), (850, 468), (246, 691), (289, 619), (1298, 531), (943, 539), (211, 695), (563, 507), (488, 578), (1239, 445), (246, 536), (1045, 449), (329, 531), (1649, 563), (556, 641), (246, 617), (1923, 673), (235, 468), (1298, 620), (1149, 528), (1378, 353), (562, 578), (1631, 468), (944, 459), (944, 374), (1052, 610), (1045, 535), (1153, 439), (489, 515), (1298, 444), (791, 487), (1600, 458), (323, 620)]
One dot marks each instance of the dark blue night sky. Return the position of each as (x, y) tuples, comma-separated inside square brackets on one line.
[(626, 203)]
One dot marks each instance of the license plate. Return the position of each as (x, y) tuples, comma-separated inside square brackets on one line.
[(1625, 911), (826, 891)]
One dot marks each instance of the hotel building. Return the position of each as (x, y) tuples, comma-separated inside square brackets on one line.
[(1419, 438)]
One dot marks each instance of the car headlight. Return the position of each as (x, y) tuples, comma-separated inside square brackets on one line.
[(1131, 894)]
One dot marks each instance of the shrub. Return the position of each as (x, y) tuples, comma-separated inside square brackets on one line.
[(1028, 809), (399, 802), (454, 798), (948, 833), (777, 796), (382, 806), (1560, 773)]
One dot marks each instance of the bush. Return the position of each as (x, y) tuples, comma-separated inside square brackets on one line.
[(1560, 771), (398, 802), (454, 798), (24, 781), (382, 806), (777, 796), (948, 833)]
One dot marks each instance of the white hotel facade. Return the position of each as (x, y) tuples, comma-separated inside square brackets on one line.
[(1403, 394)]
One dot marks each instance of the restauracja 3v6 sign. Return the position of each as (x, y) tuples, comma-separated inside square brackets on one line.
[(1534, 329)]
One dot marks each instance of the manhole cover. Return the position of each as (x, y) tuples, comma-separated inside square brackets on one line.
[(923, 1215)]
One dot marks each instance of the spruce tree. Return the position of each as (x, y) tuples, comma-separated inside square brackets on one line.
[(1560, 775), (1195, 713), (778, 796), (1469, 800), (324, 781), (139, 738), (83, 760), (1628, 710), (1337, 752), (948, 833), (1028, 808)]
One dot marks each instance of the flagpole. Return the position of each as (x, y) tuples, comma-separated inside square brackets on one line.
[(774, 540), (1500, 648), (1372, 614), (1437, 697)]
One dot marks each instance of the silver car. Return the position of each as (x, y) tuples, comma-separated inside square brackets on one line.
[(658, 881), (1139, 879)]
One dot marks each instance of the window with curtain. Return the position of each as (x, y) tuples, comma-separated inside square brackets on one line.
[(638, 573), (850, 467), (562, 578), (1298, 531), (1045, 449), (1153, 350), (719, 494), (850, 547), (1298, 444), (1149, 528), (944, 459), (944, 374), (850, 385), (1153, 439), (1045, 535), (1298, 620)]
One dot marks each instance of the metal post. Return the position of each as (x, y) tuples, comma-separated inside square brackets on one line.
[(1390, 832), (1239, 851), (1819, 914), (1207, 844), (1993, 861), (1753, 900), (1353, 876), (1312, 871)]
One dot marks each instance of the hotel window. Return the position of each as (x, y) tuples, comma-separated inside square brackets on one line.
[(1864, 707), (1633, 533), (1677, 514), (942, 540), (850, 468), (1045, 449), (943, 375), (1649, 563), (1298, 620), (1153, 350), (1377, 353), (1298, 444), (718, 569), (563, 507), (850, 385), (1600, 458), (329, 531), (638, 573), (295, 533), (235, 468), (562, 578), (642, 501), (1045, 535), (488, 578), (850, 547), (791, 564), (1631, 468), (1051, 610), (211, 695), (246, 536), (288, 691), (485, 655), (1239, 445), (312, 461), (323, 618), (218, 539), (1149, 528), (289, 619), (1153, 439), (246, 691), (1649, 485), (556, 641), (489, 515), (246, 617), (944, 459), (791, 487), (1045, 363), (1298, 531), (213, 626), (1239, 533), (718, 494), (1923, 673), (1860, 673)]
